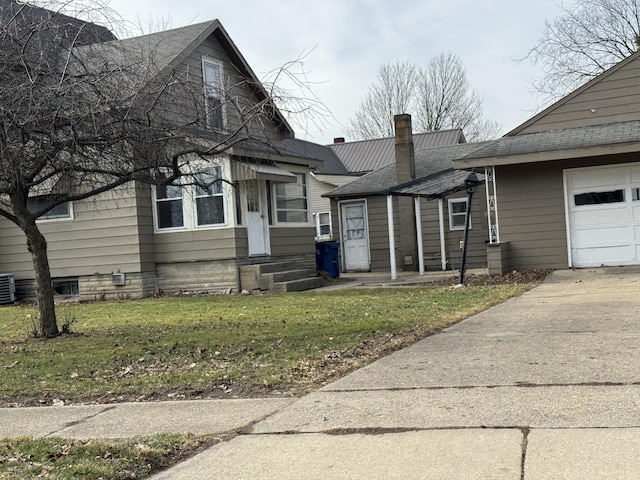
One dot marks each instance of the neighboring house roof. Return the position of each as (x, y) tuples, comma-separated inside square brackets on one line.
[(428, 161), (612, 138), (369, 155), (67, 30)]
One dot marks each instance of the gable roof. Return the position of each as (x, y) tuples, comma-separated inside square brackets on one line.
[(369, 155), (613, 96), (428, 161), (168, 48)]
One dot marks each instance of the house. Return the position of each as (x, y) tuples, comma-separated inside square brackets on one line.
[(565, 185), (252, 229), (375, 209), (354, 159)]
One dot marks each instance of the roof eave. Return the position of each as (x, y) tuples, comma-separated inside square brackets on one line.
[(547, 156)]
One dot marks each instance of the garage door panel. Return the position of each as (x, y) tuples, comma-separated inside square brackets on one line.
[(597, 179), (604, 220), (600, 216), (603, 237), (594, 257)]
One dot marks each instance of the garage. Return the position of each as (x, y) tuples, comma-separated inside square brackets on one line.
[(603, 215)]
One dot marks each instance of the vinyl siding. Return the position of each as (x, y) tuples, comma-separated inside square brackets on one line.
[(532, 212), (379, 234), (102, 238), (287, 241), (614, 97), (195, 245)]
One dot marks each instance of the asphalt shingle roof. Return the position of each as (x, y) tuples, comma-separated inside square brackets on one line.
[(562, 139), (428, 161)]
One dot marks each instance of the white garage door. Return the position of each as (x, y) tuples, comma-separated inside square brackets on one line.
[(603, 204)]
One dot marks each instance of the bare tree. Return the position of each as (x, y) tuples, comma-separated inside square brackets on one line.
[(81, 115), (587, 38), (444, 100), (392, 93), (439, 94)]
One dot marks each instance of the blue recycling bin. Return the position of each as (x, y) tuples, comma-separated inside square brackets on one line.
[(327, 258)]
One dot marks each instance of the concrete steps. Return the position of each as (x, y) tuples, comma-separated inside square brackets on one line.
[(278, 277)]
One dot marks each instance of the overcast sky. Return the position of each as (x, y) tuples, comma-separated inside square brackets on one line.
[(349, 39)]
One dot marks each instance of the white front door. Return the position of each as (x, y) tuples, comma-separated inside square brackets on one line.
[(355, 236), (257, 218), (603, 206)]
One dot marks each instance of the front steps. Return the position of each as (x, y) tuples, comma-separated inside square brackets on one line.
[(278, 277)]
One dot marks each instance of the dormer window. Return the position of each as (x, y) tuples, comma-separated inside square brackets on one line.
[(213, 93)]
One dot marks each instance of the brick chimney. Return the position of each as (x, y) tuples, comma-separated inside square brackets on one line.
[(405, 162), (407, 247)]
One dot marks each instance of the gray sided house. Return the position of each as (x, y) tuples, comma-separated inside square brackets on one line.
[(253, 230), (422, 176), (567, 181)]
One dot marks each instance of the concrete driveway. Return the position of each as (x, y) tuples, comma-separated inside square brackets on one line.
[(543, 386)]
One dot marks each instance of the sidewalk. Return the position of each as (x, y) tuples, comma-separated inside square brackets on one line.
[(543, 386)]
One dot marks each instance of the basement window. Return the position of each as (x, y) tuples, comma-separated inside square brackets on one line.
[(597, 198), (66, 287)]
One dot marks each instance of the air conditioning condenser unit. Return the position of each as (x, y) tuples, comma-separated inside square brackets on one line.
[(7, 288)]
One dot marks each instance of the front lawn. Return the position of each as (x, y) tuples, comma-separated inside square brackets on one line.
[(212, 346)]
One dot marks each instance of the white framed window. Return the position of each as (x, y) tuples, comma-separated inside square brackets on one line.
[(194, 201), (213, 93), (292, 205), (64, 211), (457, 213), (323, 225)]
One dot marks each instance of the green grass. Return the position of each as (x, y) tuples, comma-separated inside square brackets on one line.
[(202, 346), (59, 459)]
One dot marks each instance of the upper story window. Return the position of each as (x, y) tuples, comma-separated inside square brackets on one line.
[(213, 93), (59, 212), (192, 202), (457, 213), (291, 201)]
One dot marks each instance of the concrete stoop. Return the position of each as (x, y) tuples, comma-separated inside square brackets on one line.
[(278, 277)]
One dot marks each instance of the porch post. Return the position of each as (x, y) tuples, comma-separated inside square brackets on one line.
[(443, 246), (392, 239), (492, 204), (416, 203)]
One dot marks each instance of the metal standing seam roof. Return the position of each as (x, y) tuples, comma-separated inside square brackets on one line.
[(369, 155), (429, 161)]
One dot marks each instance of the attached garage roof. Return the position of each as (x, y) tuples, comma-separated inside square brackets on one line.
[(612, 138)]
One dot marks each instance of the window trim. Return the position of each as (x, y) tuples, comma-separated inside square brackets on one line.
[(276, 210), (46, 218), (320, 237), (207, 90), (189, 203), (453, 227)]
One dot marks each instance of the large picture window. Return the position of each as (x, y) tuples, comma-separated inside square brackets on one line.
[(197, 200), (213, 93), (291, 201)]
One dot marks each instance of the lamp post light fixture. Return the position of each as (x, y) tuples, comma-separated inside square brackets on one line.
[(470, 185)]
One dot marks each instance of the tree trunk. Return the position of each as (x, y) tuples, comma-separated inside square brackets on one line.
[(37, 245)]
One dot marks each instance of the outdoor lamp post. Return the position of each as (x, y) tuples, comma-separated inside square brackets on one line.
[(470, 185)]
